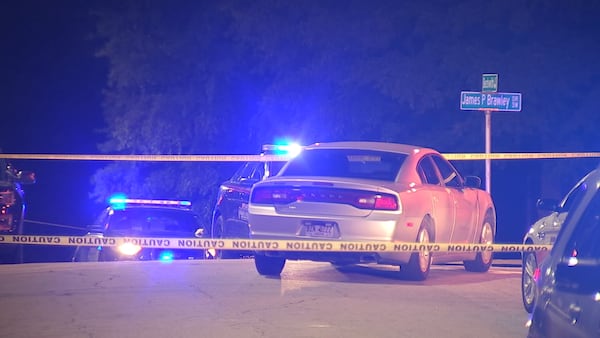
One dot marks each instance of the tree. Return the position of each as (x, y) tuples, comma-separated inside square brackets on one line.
[(168, 73), (205, 77)]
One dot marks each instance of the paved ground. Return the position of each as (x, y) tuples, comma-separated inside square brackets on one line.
[(229, 299)]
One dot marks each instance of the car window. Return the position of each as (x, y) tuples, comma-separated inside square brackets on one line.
[(450, 176), (572, 197), (427, 171), (259, 171), (350, 163), (249, 171), (275, 167), (583, 244)]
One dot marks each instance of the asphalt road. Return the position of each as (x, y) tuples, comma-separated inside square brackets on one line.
[(227, 298)]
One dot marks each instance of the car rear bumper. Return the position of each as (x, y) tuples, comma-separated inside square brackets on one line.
[(266, 226), (341, 258)]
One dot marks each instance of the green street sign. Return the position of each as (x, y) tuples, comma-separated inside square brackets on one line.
[(490, 101), (489, 83)]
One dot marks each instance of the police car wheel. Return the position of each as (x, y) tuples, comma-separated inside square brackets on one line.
[(269, 266)]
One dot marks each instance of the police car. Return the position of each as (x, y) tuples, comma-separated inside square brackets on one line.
[(544, 232), (568, 282), (12, 208), (145, 218), (230, 214)]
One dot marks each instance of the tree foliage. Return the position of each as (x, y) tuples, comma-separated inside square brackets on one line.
[(201, 77)]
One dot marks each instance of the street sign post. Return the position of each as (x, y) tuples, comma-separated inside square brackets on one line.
[(489, 100)]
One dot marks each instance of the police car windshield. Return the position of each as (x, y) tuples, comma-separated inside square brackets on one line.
[(276, 167)]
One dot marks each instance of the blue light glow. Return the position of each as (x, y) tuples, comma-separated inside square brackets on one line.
[(117, 201), (283, 148), (166, 256)]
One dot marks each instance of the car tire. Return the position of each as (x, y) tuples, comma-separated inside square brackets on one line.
[(217, 231), (483, 260), (528, 286), (86, 254), (269, 266), (419, 264)]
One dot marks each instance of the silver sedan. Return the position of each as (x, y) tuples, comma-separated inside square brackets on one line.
[(544, 232), (372, 191)]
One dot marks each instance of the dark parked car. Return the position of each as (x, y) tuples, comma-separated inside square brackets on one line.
[(230, 214), (544, 232), (12, 209), (568, 302), (142, 218)]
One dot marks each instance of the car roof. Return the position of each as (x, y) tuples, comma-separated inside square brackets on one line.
[(371, 145)]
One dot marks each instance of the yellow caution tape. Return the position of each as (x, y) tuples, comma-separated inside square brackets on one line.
[(520, 156), (264, 158), (266, 245), (147, 158)]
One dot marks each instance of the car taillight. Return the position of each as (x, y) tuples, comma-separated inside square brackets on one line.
[(357, 198), (386, 202), (536, 274)]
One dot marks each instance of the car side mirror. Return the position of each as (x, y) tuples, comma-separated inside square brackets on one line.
[(199, 232), (25, 177), (580, 278), (472, 181)]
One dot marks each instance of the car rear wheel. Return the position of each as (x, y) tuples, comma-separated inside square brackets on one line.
[(419, 263), (483, 260), (218, 230), (528, 287), (269, 266), (86, 254)]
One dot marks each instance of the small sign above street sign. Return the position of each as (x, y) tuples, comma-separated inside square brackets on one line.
[(490, 101), (489, 83)]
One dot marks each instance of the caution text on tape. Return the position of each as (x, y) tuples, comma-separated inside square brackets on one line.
[(267, 245)]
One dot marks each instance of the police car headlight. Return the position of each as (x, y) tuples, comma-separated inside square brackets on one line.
[(129, 249)]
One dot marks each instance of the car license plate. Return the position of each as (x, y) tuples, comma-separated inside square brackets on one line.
[(320, 229)]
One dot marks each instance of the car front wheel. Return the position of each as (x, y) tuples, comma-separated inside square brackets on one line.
[(528, 287), (483, 260), (269, 266)]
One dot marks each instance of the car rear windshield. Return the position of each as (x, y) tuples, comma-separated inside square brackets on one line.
[(346, 163), (153, 220)]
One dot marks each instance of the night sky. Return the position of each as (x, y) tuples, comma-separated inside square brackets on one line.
[(51, 103)]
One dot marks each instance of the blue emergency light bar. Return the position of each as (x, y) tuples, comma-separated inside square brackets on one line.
[(138, 201), (291, 149)]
